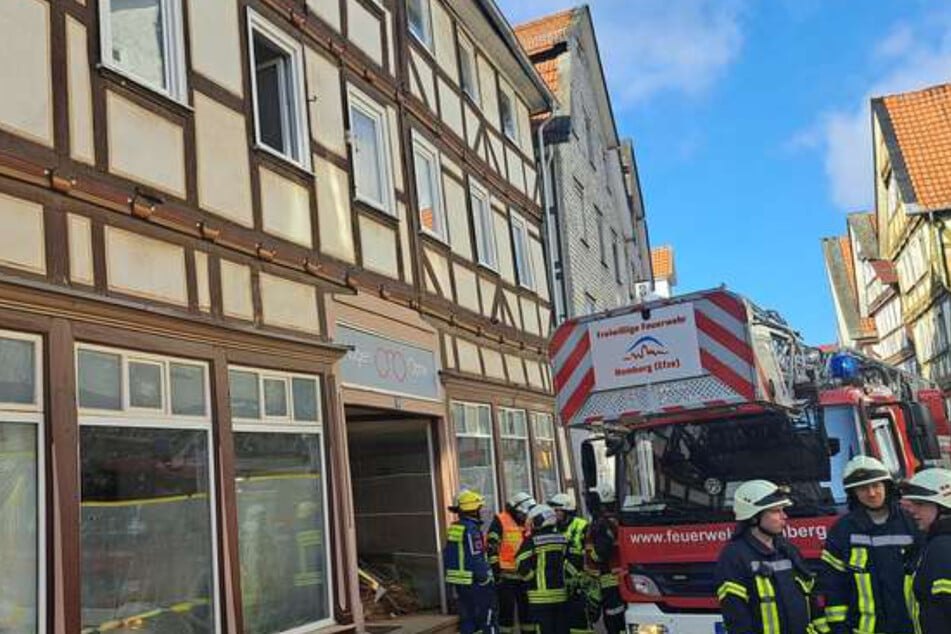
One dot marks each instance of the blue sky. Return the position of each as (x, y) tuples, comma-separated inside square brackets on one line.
[(751, 128)]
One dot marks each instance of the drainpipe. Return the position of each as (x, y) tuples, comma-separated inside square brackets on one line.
[(548, 202)]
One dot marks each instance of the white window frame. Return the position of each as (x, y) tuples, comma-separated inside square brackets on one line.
[(293, 113), (173, 48), (522, 254), (290, 425), (510, 134), (467, 52), (484, 224), (33, 413), (426, 39), (162, 419), (357, 99), (489, 437), (423, 147), (532, 417), (529, 457)]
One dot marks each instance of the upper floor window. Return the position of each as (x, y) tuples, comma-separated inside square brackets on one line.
[(602, 239), (589, 138), (484, 225), (420, 21), (432, 213), (143, 40), (893, 199), (616, 251), (468, 77), (277, 82), (523, 260), (371, 154), (507, 115)]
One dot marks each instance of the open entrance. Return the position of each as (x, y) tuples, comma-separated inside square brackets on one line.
[(394, 493)]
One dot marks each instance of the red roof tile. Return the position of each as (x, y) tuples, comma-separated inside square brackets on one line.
[(543, 33)]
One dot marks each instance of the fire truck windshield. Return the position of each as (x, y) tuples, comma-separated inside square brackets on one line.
[(687, 472)]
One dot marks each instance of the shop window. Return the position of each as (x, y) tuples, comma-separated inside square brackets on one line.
[(277, 82), (523, 260), (484, 226), (516, 457), (420, 21), (371, 154), (472, 423), (546, 455), (468, 78), (432, 212), (142, 39), (22, 547), (281, 493), (147, 523)]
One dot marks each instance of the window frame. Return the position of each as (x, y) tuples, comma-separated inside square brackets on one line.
[(431, 154), (490, 437), (510, 131), (356, 98), (297, 101), (425, 39), (128, 417), (35, 414), (173, 29), (602, 247), (482, 223), (467, 52), (521, 255), (501, 412), (616, 252), (533, 416), (290, 425)]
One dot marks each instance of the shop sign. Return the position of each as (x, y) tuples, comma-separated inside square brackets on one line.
[(386, 365)]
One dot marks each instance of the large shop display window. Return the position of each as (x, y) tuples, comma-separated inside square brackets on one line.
[(281, 491), (546, 455), (516, 456), (473, 426), (21, 480), (147, 524)]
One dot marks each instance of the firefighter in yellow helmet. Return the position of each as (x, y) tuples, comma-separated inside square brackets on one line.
[(504, 538), (927, 497), (467, 568)]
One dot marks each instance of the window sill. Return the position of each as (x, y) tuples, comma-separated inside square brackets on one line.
[(376, 212), (143, 89), (493, 269), (284, 161), (441, 241)]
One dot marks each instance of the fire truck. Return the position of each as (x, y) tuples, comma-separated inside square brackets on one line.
[(685, 398)]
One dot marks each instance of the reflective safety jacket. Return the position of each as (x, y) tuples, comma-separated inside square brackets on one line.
[(542, 562), (575, 533), (864, 573), (464, 556), (764, 590), (601, 543), (503, 540), (929, 592)]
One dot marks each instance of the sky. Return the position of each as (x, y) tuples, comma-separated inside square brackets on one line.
[(751, 128)]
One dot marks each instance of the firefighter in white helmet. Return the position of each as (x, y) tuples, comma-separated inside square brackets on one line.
[(574, 529), (504, 538), (601, 545), (864, 570), (762, 582), (928, 498), (542, 562)]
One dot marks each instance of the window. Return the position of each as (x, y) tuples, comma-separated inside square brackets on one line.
[(616, 252), (484, 225), (580, 209), (546, 455), (602, 238), (281, 490), (589, 138), (142, 39), (507, 115), (893, 198), (523, 259), (371, 152), (277, 82), (22, 543), (468, 78), (590, 304), (516, 462), (420, 22), (913, 260), (429, 201), (147, 522), (473, 427)]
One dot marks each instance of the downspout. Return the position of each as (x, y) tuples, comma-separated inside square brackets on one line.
[(548, 202)]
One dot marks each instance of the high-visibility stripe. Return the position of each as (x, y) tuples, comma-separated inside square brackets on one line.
[(833, 561), (728, 588), (877, 541), (837, 613), (941, 586), (608, 580), (769, 610), (858, 562), (914, 610)]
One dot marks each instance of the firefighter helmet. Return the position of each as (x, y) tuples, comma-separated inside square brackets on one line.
[(521, 502), (562, 501), (467, 501), (542, 516), (930, 485), (755, 496), (605, 493), (862, 470)]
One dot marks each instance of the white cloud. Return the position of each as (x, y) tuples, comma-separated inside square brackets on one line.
[(650, 47), (908, 58)]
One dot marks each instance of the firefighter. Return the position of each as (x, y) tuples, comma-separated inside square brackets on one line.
[(574, 529), (502, 543), (602, 540), (467, 568), (928, 499), (542, 562), (762, 582), (864, 556)]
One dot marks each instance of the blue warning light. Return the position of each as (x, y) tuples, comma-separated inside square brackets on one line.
[(843, 366)]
